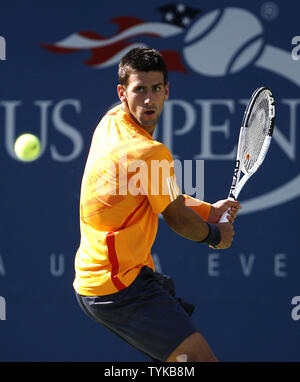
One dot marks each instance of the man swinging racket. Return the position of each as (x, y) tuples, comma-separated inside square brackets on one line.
[(128, 181)]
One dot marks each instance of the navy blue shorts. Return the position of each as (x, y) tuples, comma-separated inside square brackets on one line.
[(147, 314)]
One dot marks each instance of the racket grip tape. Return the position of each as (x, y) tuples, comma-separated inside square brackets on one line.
[(223, 218)]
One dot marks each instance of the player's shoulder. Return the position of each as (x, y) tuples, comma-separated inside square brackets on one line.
[(158, 150), (105, 121), (139, 145), (113, 111)]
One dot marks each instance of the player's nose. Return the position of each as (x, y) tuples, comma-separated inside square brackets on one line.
[(148, 101), (148, 98)]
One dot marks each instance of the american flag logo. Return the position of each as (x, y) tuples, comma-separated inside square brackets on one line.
[(132, 31)]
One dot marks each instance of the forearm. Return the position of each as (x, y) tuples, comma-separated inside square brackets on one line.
[(185, 221), (192, 226), (199, 206), (189, 224)]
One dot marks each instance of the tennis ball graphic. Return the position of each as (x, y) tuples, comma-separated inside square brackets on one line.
[(223, 42), (27, 147)]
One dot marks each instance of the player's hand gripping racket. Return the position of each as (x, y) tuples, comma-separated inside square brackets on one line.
[(254, 140)]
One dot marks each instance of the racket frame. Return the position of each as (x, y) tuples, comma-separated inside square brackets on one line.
[(237, 184)]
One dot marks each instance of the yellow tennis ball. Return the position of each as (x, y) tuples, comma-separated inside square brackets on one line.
[(27, 147)]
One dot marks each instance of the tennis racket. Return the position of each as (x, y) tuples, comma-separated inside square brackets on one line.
[(254, 140)]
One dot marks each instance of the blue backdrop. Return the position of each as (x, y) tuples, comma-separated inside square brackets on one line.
[(58, 76)]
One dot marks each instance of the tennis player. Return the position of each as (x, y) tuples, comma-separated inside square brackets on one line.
[(128, 181)]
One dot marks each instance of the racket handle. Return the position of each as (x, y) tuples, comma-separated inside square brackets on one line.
[(223, 218)]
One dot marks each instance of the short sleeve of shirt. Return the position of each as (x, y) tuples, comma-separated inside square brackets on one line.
[(160, 181)]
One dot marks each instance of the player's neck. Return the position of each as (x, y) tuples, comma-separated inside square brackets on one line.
[(150, 130)]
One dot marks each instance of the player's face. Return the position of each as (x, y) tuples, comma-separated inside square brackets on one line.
[(144, 98)]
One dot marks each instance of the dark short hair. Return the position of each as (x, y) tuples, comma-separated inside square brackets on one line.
[(141, 59)]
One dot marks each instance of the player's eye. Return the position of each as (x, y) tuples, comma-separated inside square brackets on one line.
[(157, 88), (140, 89)]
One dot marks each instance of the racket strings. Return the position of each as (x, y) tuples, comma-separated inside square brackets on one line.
[(256, 131)]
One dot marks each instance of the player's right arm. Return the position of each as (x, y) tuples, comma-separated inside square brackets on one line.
[(189, 224)]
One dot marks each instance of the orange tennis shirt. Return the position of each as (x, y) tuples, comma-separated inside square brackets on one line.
[(128, 180)]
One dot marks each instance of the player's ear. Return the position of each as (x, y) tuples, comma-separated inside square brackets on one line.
[(121, 92), (167, 90)]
